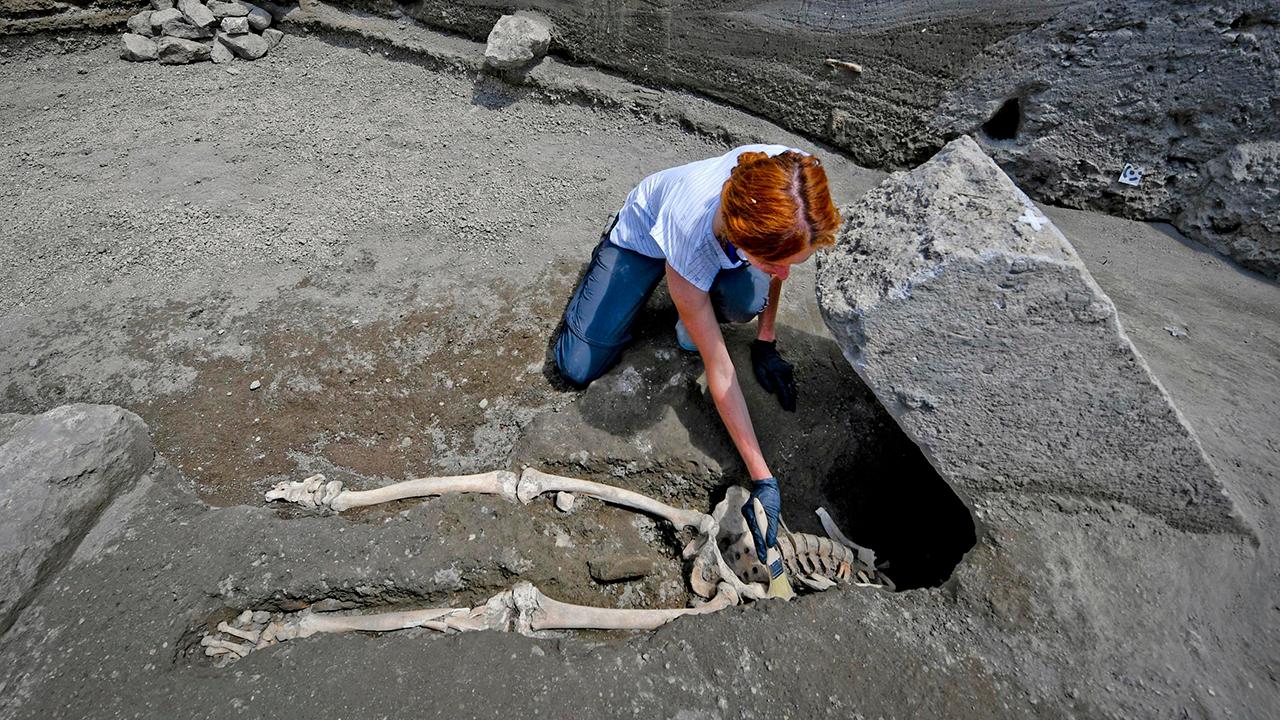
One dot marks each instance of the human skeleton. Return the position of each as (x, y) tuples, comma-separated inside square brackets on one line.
[(724, 569)]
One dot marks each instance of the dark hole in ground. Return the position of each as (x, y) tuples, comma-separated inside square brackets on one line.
[(1248, 19), (842, 450), (896, 504), (1005, 122)]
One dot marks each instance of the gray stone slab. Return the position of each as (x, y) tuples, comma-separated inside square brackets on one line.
[(137, 48), (227, 9), (247, 46), (979, 328), (177, 51), (187, 31), (58, 471), (140, 23), (159, 17), (516, 41), (235, 25), (196, 13), (259, 19)]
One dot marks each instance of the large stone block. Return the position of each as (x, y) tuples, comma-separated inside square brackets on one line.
[(58, 471), (177, 51), (979, 328), (516, 41), (1237, 210)]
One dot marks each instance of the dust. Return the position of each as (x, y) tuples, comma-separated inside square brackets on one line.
[(367, 403)]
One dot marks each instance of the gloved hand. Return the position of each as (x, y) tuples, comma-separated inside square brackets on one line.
[(766, 491), (774, 374)]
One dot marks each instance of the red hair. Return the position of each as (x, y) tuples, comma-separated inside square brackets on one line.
[(775, 207)]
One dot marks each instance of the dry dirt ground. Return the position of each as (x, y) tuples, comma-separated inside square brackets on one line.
[(386, 249)]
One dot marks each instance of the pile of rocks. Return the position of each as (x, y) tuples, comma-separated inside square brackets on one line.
[(194, 31)]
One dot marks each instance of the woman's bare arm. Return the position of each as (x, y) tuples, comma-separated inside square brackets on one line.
[(770, 312), (699, 319)]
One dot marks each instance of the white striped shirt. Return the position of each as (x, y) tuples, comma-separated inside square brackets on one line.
[(668, 215)]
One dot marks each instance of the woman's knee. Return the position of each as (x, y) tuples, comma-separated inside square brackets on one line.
[(742, 296), (745, 310), (577, 361)]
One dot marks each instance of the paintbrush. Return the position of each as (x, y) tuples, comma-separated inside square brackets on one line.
[(779, 586)]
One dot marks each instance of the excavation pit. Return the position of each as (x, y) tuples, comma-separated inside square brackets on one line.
[(376, 304), (184, 234)]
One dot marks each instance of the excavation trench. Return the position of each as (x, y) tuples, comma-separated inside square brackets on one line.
[(380, 307)]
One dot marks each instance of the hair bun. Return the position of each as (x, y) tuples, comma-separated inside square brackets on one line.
[(750, 158)]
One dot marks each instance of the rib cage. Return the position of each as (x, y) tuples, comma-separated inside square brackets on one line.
[(817, 562)]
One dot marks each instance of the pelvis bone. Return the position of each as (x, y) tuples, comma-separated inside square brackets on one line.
[(819, 563)]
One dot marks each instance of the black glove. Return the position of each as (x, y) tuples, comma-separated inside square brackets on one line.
[(766, 491), (774, 373)]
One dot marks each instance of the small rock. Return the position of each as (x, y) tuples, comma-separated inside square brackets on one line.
[(160, 17), (161, 4), (255, 384), (564, 501), (136, 48), (272, 36), (140, 24), (220, 53), (180, 51), (613, 568), (1178, 332), (259, 19), (247, 46), (484, 403), (327, 605), (33, 363), (196, 13), (227, 9), (261, 616), (516, 41), (184, 29), (235, 25)]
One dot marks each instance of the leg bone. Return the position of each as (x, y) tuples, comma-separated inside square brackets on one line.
[(533, 483), (539, 612), (314, 492)]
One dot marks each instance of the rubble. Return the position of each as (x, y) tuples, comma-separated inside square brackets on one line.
[(137, 47), (196, 13), (140, 24), (220, 31), (982, 332), (517, 41), (186, 31), (178, 51), (247, 46), (259, 19), (227, 9), (220, 54), (159, 17), (235, 25)]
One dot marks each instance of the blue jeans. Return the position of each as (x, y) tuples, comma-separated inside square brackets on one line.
[(618, 282)]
